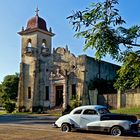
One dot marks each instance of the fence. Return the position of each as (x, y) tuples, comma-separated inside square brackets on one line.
[(109, 100), (129, 98)]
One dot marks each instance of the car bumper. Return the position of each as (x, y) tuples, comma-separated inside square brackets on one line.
[(134, 129), (54, 125)]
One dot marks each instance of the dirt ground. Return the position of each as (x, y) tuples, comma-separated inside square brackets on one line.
[(39, 132), (38, 127)]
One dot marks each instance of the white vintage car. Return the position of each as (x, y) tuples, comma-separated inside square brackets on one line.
[(97, 118)]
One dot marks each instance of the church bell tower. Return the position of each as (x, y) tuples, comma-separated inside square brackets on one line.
[(36, 49)]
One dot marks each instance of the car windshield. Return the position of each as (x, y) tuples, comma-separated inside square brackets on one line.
[(103, 111)]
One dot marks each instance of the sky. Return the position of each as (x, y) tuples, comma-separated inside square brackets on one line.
[(15, 13)]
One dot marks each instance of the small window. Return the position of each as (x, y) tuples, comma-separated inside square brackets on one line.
[(78, 111), (73, 90), (29, 43), (29, 46), (44, 43), (29, 92), (73, 67), (89, 112), (47, 93)]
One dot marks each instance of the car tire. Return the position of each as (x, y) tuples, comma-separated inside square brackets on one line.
[(66, 127), (116, 131)]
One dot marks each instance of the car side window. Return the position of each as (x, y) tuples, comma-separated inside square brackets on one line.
[(78, 111), (89, 112)]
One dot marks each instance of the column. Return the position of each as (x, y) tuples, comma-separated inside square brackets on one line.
[(20, 101), (93, 96), (119, 99), (52, 102), (65, 96)]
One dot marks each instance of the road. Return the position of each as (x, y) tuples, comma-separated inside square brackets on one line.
[(27, 119), (38, 127)]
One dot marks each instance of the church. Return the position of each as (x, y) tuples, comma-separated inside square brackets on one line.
[(50, 77)]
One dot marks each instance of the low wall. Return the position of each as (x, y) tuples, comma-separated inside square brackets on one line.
[(109, 100), (129, 98)]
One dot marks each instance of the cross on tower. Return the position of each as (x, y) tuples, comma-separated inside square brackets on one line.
[(37, 10)]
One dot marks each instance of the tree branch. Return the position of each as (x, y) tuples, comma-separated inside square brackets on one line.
[(138, 45)]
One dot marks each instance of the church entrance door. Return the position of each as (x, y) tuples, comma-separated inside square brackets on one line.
[(59, 95)]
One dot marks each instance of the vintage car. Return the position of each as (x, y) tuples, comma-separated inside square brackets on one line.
[(97, 118)]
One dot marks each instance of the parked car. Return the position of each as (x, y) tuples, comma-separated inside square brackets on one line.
[(98, 118)]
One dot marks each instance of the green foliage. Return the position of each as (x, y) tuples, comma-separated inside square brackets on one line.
[(74, 102), (102, 27), (0, 88), (9, 87), (0, 94), (8, 92), (129, 74), (9, 106)]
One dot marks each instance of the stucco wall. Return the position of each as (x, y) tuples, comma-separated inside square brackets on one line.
[(109, 100), (130, 98), (100, 69)]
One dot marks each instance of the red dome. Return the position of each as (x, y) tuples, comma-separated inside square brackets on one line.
[(36, 22)]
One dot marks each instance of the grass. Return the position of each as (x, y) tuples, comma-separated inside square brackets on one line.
[(29, 113), (134, 111), (3, 112), (15, 113), (55, 114)]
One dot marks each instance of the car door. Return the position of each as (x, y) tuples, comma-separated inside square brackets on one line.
[(75, 118), (88, 115)]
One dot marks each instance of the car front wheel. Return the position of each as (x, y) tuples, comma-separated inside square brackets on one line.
[(66, 127), (116, 131)]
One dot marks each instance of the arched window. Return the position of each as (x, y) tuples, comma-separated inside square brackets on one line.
[(44, 44), (29, 43), (29, 46)]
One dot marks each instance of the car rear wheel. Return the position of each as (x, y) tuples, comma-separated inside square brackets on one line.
[(116, 131), (66, 127)]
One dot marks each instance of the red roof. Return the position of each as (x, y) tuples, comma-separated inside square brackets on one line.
[(36, 22)]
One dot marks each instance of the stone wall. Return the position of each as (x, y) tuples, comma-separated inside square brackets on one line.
[(100, 69), (129, 98), (109, 100)]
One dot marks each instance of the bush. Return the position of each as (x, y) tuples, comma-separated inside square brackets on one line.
[(74, 102), (9, 106)]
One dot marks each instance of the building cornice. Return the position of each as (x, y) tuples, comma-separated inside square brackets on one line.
[(29, 31)]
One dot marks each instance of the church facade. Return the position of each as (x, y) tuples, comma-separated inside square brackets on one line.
[(51, 77)]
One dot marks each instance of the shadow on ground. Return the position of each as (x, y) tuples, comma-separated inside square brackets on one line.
[(27, 119)]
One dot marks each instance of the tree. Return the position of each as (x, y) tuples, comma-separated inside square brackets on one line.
[(129, 74), (0, 94), (102, 27), (9, 91), (10, 86)]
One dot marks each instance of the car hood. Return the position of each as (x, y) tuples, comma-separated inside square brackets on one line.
[(112, 116)]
